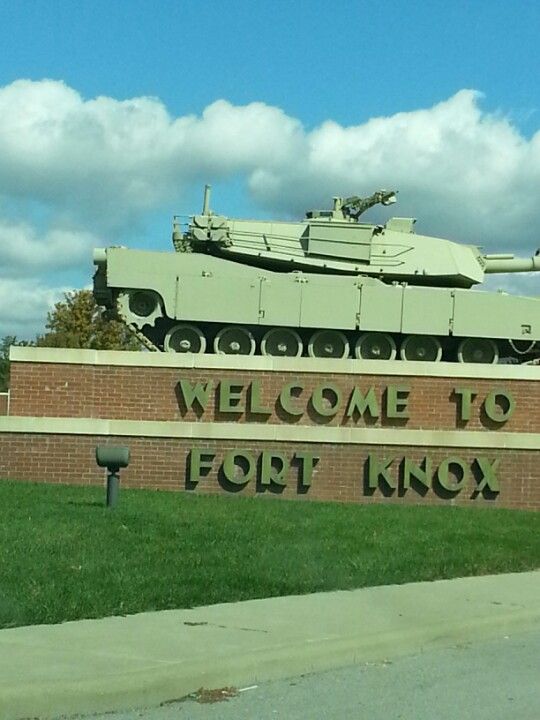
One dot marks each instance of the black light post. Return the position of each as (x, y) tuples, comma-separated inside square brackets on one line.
[(113, 457)]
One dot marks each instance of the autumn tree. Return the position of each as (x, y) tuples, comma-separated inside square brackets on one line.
[(5, 343), (78, 322)]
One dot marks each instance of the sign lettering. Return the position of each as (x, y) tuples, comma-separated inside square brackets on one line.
[(328, 400), (391, 404), (452, 474)]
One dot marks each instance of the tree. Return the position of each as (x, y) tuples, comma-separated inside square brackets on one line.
[(4, 361), (77, 322), (5, 344)]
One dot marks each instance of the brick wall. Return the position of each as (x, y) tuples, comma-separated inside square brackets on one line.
[(149, 393), (4, 403), (340, 473), (88, 390)]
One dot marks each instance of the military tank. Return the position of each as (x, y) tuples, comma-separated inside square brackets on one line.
[(329, 286)]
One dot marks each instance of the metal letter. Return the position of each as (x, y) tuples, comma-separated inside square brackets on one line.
[(308, 462), (495, 409), (412, 470), (285, 399), (270, 473), (230, 394), (489, 479), (317, 400), (255, 406), (360, 403), (198, 392), (379, 469), (229, 466), (197, 463), (465, 397), (396, 406), (443, 478)]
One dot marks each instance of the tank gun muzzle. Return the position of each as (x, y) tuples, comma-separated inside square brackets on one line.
[(387, 198)]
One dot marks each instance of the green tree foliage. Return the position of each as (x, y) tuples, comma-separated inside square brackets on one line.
[(77, 322), (4, 361), (5, 344)]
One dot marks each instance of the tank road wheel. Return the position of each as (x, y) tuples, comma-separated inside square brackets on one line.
[(234, 340), (282, 342), (184, 338), (421, 347), (478, 350), (328, 344), (375, 346), (142, 302)]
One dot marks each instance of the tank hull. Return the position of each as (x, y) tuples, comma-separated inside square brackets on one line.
[(154, 291)]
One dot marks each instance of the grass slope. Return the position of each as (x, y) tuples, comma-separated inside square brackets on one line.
[(63, 556)]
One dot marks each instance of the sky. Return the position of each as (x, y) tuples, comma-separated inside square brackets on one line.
[(113, 116)]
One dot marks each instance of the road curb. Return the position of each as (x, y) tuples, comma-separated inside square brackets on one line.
[(266, 644)]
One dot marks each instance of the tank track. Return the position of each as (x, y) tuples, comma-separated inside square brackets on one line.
[(153, 336), (153, 345)]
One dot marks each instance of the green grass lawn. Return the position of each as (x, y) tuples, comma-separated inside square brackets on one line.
[(63, 556)]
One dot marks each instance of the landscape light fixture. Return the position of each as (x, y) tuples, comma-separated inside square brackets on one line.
[(113, 457)]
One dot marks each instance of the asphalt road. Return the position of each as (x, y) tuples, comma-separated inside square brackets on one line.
[(495, 680)]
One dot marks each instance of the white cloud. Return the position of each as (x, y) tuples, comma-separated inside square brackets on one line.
[(101, 164), (464, 174), (24, 305), (460, 170), (105, 159), (24, 251)]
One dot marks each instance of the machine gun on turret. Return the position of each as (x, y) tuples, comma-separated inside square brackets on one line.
[(355, 206)]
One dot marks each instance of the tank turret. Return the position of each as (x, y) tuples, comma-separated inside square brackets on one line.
[(326, 286), (336, 242)]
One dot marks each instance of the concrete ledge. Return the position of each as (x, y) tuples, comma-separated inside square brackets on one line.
[(260, 363), (114, 663), (271, 432)]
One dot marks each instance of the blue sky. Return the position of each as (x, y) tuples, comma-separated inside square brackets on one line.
[(316, 60), (322, 73)]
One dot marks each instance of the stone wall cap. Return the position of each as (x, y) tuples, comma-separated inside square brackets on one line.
[(123, 358)]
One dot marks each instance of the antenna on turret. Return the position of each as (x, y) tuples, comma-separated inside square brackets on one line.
[(206, 200)]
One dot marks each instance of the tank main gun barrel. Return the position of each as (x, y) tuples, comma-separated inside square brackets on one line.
[(510, 264)]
